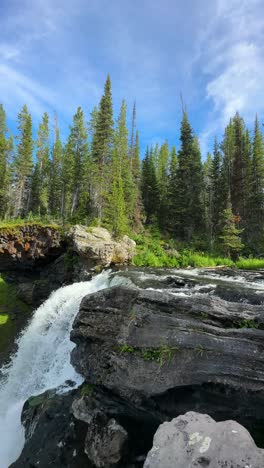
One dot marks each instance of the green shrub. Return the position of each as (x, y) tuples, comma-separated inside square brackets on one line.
[(250, 263)]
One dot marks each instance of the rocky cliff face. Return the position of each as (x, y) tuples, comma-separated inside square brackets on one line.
[(28, 246), (41, 259), (149, 356)]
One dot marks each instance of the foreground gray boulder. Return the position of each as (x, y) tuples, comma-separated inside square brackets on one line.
[(196, 441)]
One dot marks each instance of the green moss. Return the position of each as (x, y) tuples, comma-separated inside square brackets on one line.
[(35, 401), (9, 304), (87, 390), (16, 224), (3, 319)]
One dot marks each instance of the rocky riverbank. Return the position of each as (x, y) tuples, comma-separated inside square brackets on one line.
[(147, 356), (40, 259)]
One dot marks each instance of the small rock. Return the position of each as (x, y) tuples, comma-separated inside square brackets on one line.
[(105, 442)]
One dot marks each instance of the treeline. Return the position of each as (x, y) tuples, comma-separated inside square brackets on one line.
[(97, 177)]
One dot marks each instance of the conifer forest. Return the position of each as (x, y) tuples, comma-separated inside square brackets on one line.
[(98, 177)]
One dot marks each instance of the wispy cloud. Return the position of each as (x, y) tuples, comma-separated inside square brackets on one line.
[(232, 60)]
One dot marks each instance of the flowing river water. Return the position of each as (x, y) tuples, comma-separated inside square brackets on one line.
[(42, 360)]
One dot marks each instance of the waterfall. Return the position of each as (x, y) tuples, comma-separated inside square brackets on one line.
[(41, 362)]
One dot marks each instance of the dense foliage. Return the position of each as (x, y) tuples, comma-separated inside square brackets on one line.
[(97, 177)]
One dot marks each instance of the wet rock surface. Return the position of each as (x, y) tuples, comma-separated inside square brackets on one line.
[(161, 346), (129, 338), (196, 441), (53, 436)]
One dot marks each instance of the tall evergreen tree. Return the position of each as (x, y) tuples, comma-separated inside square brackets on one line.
[(230, 239), (149, 187), (240, 172), (120, 197), (4, 164), (55, 192), (77, 148), (257, 192), (102, 144), (216, 190), (40, 182), (163, 185), (23, 163), (133, 135), (208, 198), (188, 209)]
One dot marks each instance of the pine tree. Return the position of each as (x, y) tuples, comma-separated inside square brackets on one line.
[(208, 198), (23, 163), (67, 170), (55, 192), (4, 163), (188, 210), (227, 147), (230, 239), (127, 175), (172, 191), (119, 199), (240, 165), (216, 190), (163, 185), (92, 123), (256, 199), (77, 148), (149, 187), (101, 151), (133, 135), (40, 182), (136, 173)]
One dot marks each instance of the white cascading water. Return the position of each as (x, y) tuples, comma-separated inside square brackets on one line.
[(41, 362)]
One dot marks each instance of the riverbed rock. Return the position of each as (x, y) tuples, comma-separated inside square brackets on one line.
[(96, 247), (105, 442), (171, 354), (129, 338), (195, 440), (53, 436)]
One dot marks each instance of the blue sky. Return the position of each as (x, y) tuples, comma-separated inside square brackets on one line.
[(55, 55)]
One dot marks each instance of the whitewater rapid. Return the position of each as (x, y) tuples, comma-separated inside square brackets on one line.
[(42, 360)]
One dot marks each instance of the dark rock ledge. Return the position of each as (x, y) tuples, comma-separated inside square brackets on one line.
[(148, 357)]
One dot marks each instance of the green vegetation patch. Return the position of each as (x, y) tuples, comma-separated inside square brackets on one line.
[(3, 319), (9, 304), (157, 253), (35, 401), (161, 355), (87, 389)]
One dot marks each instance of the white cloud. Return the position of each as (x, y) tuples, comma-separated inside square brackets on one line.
[(232, 59)]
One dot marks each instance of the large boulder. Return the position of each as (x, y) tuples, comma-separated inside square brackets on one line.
[(129, 338), (96, 247), (171, 354), (196, 441)]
